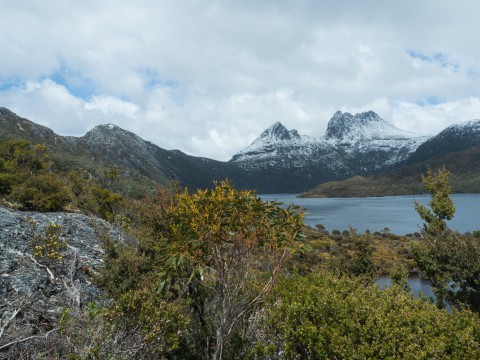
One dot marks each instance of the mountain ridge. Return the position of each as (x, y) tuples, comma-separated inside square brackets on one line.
[(278, 161), (358, 144)]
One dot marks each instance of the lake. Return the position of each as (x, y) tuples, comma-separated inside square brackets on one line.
[(375, 213), (415, 281)]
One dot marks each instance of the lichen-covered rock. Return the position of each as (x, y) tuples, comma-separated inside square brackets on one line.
[(35, 289)]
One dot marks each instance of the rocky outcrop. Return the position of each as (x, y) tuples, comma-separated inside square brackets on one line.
[(35, 290)]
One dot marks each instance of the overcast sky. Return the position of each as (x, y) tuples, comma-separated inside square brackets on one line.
[(207, 77)]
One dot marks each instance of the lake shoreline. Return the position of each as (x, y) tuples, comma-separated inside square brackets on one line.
[(397, 213)]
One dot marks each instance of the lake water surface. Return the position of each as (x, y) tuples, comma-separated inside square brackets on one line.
[(415, 281), (375, 213)]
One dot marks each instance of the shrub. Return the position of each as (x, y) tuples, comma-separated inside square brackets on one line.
[(41, 193), (325, 317), (49, 248)]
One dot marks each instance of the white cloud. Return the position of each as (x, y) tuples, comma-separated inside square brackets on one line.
[(208, 77), (111, 105)]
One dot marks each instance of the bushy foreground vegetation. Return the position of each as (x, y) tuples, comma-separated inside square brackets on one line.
[(322, 316), (221, 274), (27, 179)]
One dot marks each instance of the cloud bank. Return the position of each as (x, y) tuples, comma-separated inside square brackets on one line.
[(208, 77)]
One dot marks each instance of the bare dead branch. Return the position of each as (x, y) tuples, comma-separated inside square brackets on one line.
[(27, 339), (9, 321), (45, 267)]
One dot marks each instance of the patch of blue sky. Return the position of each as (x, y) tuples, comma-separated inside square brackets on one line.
[(81, 89), (436, 58), (153, 79), (10, 83), (429, 100)]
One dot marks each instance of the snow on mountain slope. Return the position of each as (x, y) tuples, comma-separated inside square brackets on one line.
[(277, 142), (359, 143), (348, 128), (466, 126), (368, 133), (457, 137)]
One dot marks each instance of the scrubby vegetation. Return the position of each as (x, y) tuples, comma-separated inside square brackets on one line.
[(27, 180), (322, 316), (221, 274)]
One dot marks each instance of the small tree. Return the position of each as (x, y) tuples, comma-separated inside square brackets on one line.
[(107, 203), (112, 176), (230, 246), (362, 262), (441, 205), (450, 260)]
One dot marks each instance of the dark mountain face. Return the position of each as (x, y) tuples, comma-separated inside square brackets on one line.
[(108, 146), (15, 127), (343, 124), (454, 138)]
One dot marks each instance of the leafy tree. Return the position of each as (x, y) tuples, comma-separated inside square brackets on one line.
[(19, 159), (362, 261), (227, 247), (112, 176), (356, 257), (399, 276), (19, 156), (108, 203), (25, 177), (204, 263), (79, 183)]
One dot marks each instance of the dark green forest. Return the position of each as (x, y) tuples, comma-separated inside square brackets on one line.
[(220, 274)]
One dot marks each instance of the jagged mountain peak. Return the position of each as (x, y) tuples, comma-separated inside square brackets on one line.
[(345, 127), (279, 132), (107, 128), (108, 133), (277, 135)]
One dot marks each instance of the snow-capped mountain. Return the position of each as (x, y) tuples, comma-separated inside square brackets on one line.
[(352, 145), (367, 134), (277, 142), (347, 128), (279, 161), (454, 138)]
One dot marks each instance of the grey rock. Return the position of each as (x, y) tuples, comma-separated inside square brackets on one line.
[(25, 282)]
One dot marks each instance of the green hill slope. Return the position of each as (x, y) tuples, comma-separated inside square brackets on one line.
[(464, 166)]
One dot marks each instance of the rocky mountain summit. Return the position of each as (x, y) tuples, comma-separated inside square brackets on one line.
[(34, 289), (357, 144), (348, 128)]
